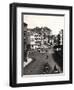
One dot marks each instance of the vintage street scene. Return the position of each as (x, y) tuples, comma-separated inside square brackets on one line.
[(42, 44)]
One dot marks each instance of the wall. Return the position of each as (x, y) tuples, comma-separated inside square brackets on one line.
[(4, 43)]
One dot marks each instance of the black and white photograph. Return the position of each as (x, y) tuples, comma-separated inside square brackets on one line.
[(42, 44)]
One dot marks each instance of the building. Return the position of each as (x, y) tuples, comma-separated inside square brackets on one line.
[(35, 40), (37, 37), (61, 37)]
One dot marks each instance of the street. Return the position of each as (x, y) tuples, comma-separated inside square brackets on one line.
[(39, 61)]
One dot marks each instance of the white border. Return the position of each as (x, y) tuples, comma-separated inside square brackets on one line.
[(43, 78)]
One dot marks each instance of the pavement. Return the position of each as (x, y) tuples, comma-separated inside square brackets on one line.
[(39, 60)]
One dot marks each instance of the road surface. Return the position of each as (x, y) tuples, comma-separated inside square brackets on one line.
[(40, 59)]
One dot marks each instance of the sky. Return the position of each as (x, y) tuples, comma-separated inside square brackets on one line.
[(55, 23)]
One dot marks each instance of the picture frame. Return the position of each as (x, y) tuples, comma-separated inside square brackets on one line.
[(53, 51)]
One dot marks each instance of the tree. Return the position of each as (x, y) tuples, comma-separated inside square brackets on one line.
[(37, 30), (47, 30)]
